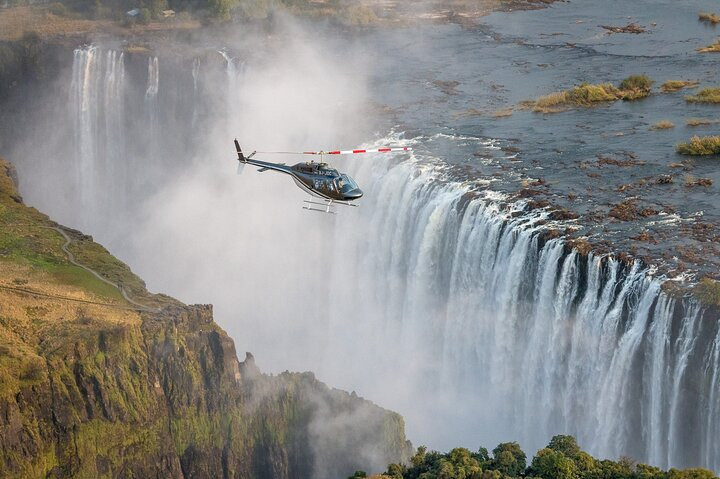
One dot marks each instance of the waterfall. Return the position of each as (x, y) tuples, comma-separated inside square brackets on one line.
[(486, 328), (196, 91), (97, 108), (151, 93), (543, 339)]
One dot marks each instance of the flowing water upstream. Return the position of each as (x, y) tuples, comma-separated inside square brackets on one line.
[(441, 296)]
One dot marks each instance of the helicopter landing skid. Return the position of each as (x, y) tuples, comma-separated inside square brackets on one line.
[(328, 205)]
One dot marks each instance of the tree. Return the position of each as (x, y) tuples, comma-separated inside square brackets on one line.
[(396, 471), (221, 9), (565, 444), (509, 459), (157, 7), (693, 473), (643, 471), (552, 464), (483, 455), (419, 458)]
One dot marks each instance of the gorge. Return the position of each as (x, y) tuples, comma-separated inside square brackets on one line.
[(442, 297)]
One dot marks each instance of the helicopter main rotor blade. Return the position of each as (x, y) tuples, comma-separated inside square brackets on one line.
[(338, 152), (375, 150)]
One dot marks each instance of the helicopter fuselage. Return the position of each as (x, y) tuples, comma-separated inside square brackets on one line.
[(317, 179)]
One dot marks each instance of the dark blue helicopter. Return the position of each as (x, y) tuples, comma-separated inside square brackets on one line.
[(316, 178)]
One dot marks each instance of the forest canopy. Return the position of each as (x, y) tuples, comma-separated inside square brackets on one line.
[(562, 458)]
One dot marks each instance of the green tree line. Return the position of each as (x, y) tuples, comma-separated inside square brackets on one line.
[(561, 459)]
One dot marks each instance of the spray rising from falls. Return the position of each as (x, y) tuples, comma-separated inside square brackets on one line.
[(472, 322)]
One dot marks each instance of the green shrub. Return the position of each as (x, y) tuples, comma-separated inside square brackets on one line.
[(58, 9), (157, 7), (708, 291), (145, 16), (33, 370), (636, 82), (706, 95), (635, 87), (700, 146), (586, 94)]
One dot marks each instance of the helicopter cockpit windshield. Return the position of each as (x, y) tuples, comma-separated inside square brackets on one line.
[(345, 183)]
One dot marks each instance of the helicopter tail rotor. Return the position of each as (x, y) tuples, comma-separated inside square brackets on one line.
[(241, 157)]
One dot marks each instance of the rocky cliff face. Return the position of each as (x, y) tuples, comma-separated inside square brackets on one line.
[(92, 386)]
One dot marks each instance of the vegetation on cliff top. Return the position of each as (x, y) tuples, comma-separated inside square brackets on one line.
[(561, 459), (74, 17)]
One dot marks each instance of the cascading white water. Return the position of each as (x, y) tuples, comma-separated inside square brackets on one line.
[(97, 96), (151, 93), (545, 340), (464, 317)]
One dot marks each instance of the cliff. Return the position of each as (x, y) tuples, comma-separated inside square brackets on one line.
[(100, 378)]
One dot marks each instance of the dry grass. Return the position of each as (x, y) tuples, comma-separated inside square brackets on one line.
[(700, 122), (706, 95), (712, 48), (709, 17), (700, 146), (671, 86), (502, 113), (663, 125), (17, 21), (552, 103)]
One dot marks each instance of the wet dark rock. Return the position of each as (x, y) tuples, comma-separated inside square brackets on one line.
[(535, 204), (449, 87), (529, 192), (629, 28)]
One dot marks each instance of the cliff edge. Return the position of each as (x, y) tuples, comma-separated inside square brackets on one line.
[(100, 378)]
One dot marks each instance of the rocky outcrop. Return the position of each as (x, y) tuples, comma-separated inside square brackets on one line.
[(91, 389)]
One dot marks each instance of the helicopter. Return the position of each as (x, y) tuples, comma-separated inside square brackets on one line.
[(318, 179)]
